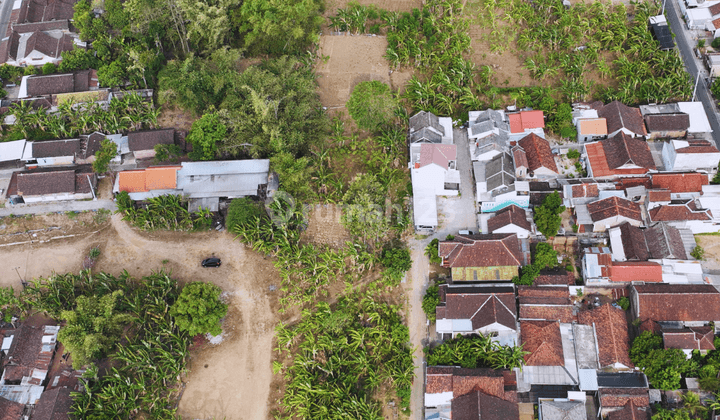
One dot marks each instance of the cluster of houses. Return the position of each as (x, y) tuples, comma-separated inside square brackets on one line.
[(631, 223), (36, 381)]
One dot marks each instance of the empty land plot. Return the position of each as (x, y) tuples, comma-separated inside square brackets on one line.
[(506, 65), (325, 228)]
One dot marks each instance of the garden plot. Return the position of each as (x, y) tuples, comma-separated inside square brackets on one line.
[(351, 60), (325, 228)]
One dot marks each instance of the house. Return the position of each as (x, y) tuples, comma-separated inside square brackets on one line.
[(685, 214), (511, 219), (478, 405), (560, 278), (661, 31), (488, 133), (689, 339), (477, 310), (434, 170), (51, 185), (525, 122), (11, 410), (562, 409), (493, 177), (620, 155), (203, 183), (543, 342), (616, 390), (611, 332), (426, 127), (613, 211), (630, 411), (142, 143), (54, 404), (622, 118), (543, 303), (54, 152), (690, 155), (664, 126), (581, 193), (698, 18), (688, 305), (680, 185), (631, 243), (52, 84), (445, 384), (699, 123), (591, 129), (484, 257), (538, 156), (599, 269)]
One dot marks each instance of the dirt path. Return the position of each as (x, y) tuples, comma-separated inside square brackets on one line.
[(417, 321), (229, 381)]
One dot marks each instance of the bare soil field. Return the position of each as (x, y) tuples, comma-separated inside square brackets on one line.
[(711, 245), (176, 118), (506, 66), (324, 227), (351, 60)]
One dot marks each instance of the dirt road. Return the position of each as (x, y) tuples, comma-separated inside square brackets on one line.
[(228, 381), (417, 321)]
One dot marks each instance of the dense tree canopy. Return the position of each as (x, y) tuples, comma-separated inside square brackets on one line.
[(205, 135), (198, 310)]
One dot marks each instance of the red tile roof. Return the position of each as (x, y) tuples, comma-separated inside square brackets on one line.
[(478, 405), (461, 381), (481, 308), (544, 342), (627, 272), (680, 183), (538, 153), (614, 206), (526, 120), (667, 122), (607, 157), (10, 410), (153, 178), (658, 195), (512, 215), (585, 190), (618, 397), (519, 157), (693, 338), (565, 278), (714, 9), (596, 126), (53, 405), (698, 146), (612, 334), (674, 212), (481, 251), (562, 313), (631, 411), (677, 302)]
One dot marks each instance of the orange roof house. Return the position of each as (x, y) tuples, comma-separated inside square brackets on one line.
[(144, 180), (526, 120), (593, 126), (627, 272)]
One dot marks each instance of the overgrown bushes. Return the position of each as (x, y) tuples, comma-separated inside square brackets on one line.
[(166, 212), (476, 351), (371, 105)]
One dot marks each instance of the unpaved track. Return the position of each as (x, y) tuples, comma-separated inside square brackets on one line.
[(417, 321)]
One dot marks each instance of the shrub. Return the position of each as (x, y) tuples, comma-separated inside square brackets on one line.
[(108, 150), (715, 43), (30, 70), (396, 259), (198, 309), (545, 256), (205, 134), (701, 43), (241, 211), (166, 152), (430, 301), (573, 154), (431, 250), (624, 303), (49, 68), (371, 105), (527, 276), (698, 252)]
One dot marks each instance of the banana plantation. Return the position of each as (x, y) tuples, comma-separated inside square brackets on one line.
[(166, 212), (129, 113), (336, 360), (146, 364), (477, 351)]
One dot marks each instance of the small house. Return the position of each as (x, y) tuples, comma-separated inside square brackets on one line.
[(622, 118), (483, 257), (619, 155), (690, 155), (511, 219), (525, 122), (538, 155), (613, 211)]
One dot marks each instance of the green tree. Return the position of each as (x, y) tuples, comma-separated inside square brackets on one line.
[(49, 68), (396, 258), (545, 256), (363, 214), (643, 345), (93, 327), (199, 310), (547, 216), (371, 105), (430, 301), (113, 74), (166, 152), (527, 276), (431, 250), (241, 211), (715, 88), (108, 150), (692, 404), (205, 134), (77, 59), (279, 27)]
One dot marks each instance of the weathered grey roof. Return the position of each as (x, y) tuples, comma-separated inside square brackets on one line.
[(499, 171), (481, 127), (425, 135), (493, 141), (563, 410), (425, 119), (234, 178)]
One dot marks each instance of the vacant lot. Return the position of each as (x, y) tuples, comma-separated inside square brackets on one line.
[(351, 60)]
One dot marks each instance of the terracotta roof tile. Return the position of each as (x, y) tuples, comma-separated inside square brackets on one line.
[(656, 242), (585, 190), (510, 215), (482, 309), (519, 157), (680, 182), (56, 148), (631, 412), (153, 178), (667, 122), (10, 410), (693, 338), (594, 126), (612, 334), (619, 115), (675, 212), (658, 195), (562, 279), (526, 120), (53, 405), (607, 156), (678, 302), (614, 206), (627, 272), (439, 154), (562, 313), (481, 251), (41, 183), (698, 146), (538, 153), (618, 397), (461, 381), (544, 342), (714, 9), (478, 405)]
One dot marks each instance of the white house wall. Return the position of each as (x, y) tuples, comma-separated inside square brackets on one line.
[(521, 232), (602, 225)]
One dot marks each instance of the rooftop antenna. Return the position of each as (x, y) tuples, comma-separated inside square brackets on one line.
[(697, 79)]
